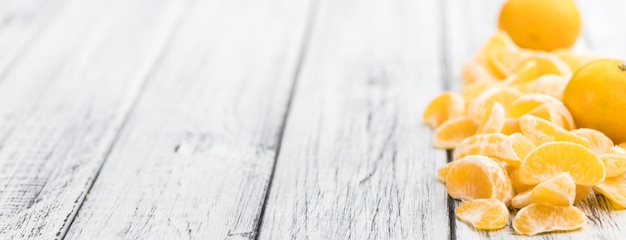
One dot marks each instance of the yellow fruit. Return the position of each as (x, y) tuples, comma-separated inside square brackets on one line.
[(479, 144), (600, 143), (582, 192), (514, 148), (595, 92), (531, 103), (614, 163), (442, 172), (553, 158), (541, 131), (558, 191), (518, 186), (485, 214), (614, 189), (446, 106), (481, 106), (475, 176), (453, 131), (494, 121), (574, 60), (541, 24), (539, 218)]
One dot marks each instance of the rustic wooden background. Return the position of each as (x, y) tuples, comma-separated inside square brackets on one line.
[(242, 119)]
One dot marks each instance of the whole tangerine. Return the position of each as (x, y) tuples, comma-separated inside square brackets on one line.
[(596, 97), (541, 24)]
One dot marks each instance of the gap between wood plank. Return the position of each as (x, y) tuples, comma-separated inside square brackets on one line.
[(133, 103), (307, 36), (446, 83)]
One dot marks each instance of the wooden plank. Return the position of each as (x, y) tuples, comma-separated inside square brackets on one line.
[(356, 161), (64, 103), (602, 223), (196, 156), (21, 21)]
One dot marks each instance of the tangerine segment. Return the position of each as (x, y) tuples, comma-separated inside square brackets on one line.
[(539, 218), (553, 158), (474, 72), (542, 131), (482, 104), (528, 103), (614, 189), (527, 73), (446, 106), (518, 186), (477, 176), (494, 121), (511, 125), (600, 143), (614, 163), (582, 192), (442, 172), (514, 149), (452, 132), (504, 61), (558, 191), (485, 214), (479, 144)]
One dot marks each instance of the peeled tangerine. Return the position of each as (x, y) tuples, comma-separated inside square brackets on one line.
[(539, 218), (614, 189), (553, 158), (558, 191), (476, 176), (485, 214)]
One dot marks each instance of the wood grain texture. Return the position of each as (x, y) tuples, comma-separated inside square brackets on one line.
[(21, 21), (356, 160), (195, 158), (602, 222), (65, 101)]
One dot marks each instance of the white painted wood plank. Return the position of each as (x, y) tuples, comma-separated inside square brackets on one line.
[(21, 21), (468, 24), (356, 161), (196, 155), (64, 102), (602, 223)]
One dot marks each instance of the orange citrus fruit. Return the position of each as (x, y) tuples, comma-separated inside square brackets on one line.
[(453, 131), (494, 121), (600, 143), (582, 192), (485, 214), (541, 24), (481, 106), (614, 163), (595, 92), (614, 189), (514, 148), (539, 218), (559, 191), (541, 131), (518, 186), (479, 144), (553, 158), (477, 176), (446, 106)]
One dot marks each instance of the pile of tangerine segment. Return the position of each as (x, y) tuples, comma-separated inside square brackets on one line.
[(516, 144)]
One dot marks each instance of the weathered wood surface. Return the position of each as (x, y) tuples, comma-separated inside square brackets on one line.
[(196, 156), (356, 161), (21, 21), (63, 102), (271, 119)]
